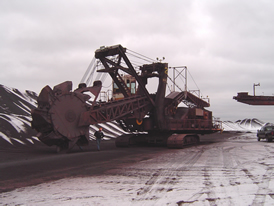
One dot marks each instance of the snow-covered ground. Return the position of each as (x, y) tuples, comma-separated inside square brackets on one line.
[(237, 171)]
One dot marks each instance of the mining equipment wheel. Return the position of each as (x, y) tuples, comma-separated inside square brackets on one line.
[(181, 140), (57, 121), (258, 138), (58, 113), (269, 138), (65, 113)]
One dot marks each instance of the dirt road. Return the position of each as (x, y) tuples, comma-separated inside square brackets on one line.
[(227, 169), (21, 167)]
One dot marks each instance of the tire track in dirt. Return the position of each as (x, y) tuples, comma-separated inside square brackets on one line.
[(163, 180), (228, 160), (263, 187), (219, 163), (206, 190), (230, 164), (262, 181), (268, 148), (230, 171), (226, 166), (214, 154)]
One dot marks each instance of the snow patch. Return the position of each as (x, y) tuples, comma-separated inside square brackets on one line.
[(5, 137), (30, 140), (18, 140), (16, 122), (35, 138), (23, 95)]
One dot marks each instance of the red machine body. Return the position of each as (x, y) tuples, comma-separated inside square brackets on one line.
[(63, 116)]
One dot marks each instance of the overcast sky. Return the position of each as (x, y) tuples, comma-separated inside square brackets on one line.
[(227, 45)]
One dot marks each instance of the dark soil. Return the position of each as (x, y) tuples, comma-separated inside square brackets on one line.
[(26, 166)]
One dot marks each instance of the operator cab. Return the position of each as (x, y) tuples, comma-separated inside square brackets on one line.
[(131, 85)]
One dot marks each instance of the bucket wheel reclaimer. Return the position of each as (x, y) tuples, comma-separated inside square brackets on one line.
[(57, 116)]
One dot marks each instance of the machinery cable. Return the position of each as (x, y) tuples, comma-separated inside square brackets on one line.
[(88, 70), (195, 82), (89, 80), (137, 55)]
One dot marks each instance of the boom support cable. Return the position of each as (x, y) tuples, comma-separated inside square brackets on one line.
[(137, 55), (84, 78), (195, 83)]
